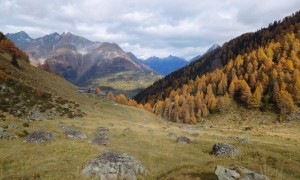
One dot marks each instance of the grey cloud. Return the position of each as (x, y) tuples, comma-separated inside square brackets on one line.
[(180, 27)]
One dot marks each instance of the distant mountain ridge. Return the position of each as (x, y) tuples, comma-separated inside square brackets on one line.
[(171, 63), (213, 47), (39, 49), (166, 65), (84, 62)]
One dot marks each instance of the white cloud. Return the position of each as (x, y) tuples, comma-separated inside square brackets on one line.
[(147, 28)]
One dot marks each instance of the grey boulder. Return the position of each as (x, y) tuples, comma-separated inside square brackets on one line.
[(222, 149), (39, 137), (114, 166), (237, 172)]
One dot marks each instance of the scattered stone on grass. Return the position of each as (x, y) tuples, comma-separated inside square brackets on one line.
[(39, 137), (172, 134), (11, 126), (73, 133), (102, 132), (127, 131), (114, 166), (293, 117), (222, 149), (237, 172), (192, 129), (8, 136), (195, 134), (101, 141), (239, 139), (183, 140), (151, 131)]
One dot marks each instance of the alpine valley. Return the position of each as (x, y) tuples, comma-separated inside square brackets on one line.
[(232, 113)]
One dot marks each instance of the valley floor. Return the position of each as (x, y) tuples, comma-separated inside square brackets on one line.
[(274, 149)]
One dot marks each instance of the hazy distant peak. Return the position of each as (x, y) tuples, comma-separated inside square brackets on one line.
[(19, 36), (165, 65), (171, 56), (21, 33), (195, 58), (213, 47)]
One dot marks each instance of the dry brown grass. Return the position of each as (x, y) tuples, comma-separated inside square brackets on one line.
[(274, 148)]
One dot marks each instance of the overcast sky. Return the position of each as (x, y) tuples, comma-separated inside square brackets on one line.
[(183, 28)]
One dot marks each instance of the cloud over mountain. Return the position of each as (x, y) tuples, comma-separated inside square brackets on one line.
[(182, 28)]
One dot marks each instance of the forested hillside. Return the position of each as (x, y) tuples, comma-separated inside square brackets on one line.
[(257, 70)]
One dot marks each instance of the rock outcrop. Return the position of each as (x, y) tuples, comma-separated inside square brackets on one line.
[(183, 140), (7, 136), (101, 141), (237, 172), (127, 131), (222, 149), (293, 117), (39, 137), (115, 166), (102, 132), (101, 136), (172, 135), (71, 133)]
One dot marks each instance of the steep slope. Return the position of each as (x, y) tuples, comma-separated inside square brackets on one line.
[(141, 63), (86, 63), (165, 65), (258, 70), (28, 92)]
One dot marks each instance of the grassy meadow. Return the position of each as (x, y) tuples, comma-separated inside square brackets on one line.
[(273, 149)]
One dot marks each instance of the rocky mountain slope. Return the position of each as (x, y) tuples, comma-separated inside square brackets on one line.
[(165, 65), (28, 92), (258, 70), (86, 63)]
